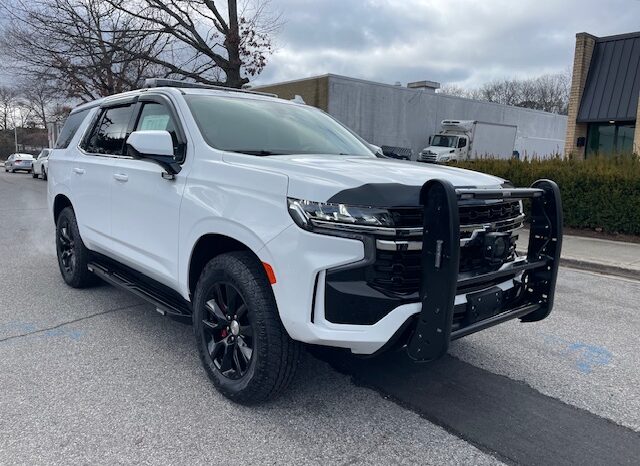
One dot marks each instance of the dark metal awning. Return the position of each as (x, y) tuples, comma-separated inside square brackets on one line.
[(613, 83)]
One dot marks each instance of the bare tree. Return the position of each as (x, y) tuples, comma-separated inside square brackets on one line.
[(79, 45), (210, 44), (41, 98), (459, 91), (8, 101), (549, 92), (505, 91)]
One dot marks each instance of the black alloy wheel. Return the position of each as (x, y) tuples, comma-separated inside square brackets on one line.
[(228, 333), (73, 256), (65, 245)]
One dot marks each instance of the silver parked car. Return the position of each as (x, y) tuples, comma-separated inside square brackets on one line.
[(41, 164), (17, 162)]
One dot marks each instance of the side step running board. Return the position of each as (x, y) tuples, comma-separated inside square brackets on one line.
[(165, 301)]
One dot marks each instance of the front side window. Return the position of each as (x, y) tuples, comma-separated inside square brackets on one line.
[(264, 127), (157, 117), (110, 132), (69, 129)]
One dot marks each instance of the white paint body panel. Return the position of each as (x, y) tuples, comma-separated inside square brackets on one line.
[(145, 218)]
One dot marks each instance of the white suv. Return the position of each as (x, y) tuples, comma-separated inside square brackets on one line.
[(268, 223)]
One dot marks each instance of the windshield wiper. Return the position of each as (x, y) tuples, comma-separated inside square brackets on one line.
[(257, 152)]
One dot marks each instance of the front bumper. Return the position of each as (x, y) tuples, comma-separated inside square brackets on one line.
[(324, 294)]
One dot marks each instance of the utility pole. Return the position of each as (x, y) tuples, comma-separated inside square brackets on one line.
[(15, 129)]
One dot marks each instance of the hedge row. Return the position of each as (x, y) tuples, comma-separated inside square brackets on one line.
[(600, 192)]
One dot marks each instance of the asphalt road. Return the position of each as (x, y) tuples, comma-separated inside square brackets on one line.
[(97, 376)]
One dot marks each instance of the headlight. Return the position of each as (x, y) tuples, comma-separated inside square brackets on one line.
[(308, 214)]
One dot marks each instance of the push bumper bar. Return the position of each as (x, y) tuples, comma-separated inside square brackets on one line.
[(441, 281)]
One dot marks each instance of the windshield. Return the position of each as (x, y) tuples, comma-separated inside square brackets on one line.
[(262, 127), (444, 141)]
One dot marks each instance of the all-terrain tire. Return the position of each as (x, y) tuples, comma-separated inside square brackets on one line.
[(73, 266), (275, 355)]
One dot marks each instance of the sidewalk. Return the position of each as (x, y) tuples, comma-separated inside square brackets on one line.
[(598, 255)]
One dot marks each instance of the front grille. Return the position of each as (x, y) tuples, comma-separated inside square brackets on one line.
[(397, 269), (470, 214), (428, 157), (407, 217), (488, 213)]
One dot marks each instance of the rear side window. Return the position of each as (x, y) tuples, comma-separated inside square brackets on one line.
[(110, 131), (70, 128)]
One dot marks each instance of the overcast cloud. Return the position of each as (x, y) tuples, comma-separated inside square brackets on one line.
[(463, 42)]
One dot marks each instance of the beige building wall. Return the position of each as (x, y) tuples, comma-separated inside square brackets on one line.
[(581, 61), (314, 91)]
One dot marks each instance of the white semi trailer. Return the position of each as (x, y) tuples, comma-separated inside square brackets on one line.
[(468, 139)]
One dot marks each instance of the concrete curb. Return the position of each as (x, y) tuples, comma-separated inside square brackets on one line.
[(597, 267), (607, 269)]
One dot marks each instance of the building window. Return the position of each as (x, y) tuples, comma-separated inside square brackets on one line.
[(609, 138)]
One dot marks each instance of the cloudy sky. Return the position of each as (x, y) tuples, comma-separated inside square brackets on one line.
[(465, 42)]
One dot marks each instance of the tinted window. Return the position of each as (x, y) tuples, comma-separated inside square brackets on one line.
[(264, 127), (155, 116), (110, 132), (69, 129)]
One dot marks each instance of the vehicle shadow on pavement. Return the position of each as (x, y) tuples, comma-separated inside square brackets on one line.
[(493, 412)]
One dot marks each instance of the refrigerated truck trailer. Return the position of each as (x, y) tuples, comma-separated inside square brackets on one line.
[(469, 139)]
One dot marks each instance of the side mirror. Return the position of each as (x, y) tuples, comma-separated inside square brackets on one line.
[(154, 145)]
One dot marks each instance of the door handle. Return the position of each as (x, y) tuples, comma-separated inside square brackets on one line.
[(78, 171), (121, 177)]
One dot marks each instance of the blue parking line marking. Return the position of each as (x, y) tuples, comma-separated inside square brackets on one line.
[(585, 357)]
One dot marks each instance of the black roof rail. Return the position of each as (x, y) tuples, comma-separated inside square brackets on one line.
[(163, 82)]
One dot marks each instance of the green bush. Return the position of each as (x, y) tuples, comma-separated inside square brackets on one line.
[(600, 192)]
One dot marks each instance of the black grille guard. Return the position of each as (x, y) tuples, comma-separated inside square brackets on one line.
[(440, 281)]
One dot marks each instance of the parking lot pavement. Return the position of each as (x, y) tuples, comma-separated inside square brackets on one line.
[(96, 376)]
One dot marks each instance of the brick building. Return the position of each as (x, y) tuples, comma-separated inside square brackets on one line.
[(605, 91)]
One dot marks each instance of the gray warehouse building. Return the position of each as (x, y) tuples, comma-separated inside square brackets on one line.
[(392, 115)]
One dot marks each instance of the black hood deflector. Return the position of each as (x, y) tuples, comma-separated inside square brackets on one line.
[(379, 195), (385, 195)]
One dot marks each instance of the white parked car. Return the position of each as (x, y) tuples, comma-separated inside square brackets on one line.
[(17, 162), (269, 224), (40, 164)]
